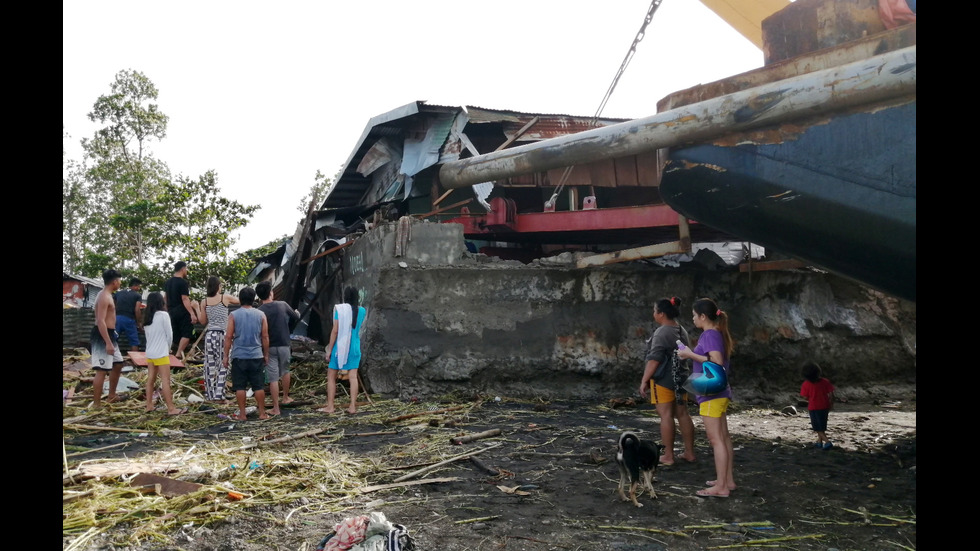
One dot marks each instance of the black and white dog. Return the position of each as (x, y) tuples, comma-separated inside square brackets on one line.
[(635, 457)]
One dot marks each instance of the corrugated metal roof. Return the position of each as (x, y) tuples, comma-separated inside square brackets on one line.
[(547, 126), (94, 282), (351, 187)]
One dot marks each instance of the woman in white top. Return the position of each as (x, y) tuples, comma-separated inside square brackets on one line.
[(214, 316), (159, 336)]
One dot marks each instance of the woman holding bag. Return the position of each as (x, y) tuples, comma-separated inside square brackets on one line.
[(344, 348), (714, 345), (658, 380)]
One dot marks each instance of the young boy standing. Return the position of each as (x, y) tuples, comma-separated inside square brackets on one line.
[(248, 330), (819, 393)]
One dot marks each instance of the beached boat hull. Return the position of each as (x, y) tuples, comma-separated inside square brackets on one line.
[(838, 192)]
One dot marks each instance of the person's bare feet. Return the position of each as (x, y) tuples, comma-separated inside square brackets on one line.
[(275, 412), (176, 411), (711, 483), (241, 417), (112, 398), (689, 459), (712, 492), (352, 411), (264, 416), (285, 401), (666, 460), (325, 410)]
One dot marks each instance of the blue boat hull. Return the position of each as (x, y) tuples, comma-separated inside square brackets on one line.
[(838, 192)]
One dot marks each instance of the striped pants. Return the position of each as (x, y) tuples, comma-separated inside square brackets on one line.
[(215, 372)]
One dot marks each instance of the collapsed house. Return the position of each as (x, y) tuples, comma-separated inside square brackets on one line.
[(521, 253), (392, 178)]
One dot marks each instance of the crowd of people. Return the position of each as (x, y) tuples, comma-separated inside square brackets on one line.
[(249, 345), (253, 343)]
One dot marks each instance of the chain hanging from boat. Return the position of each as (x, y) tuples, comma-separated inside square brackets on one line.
[(602, 105)]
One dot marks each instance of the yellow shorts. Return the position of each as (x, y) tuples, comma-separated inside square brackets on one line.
[(158, 361), (660, 394), (714, 408)]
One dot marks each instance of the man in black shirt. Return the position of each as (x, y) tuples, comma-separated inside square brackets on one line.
[(183, 316), (128, 305)]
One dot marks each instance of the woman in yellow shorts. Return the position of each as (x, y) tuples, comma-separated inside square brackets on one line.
[(658, 380), (715, 345)]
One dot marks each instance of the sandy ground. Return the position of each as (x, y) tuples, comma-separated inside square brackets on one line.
[(556, 487)]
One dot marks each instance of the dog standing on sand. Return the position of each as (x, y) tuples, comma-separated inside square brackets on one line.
[(636, 457)]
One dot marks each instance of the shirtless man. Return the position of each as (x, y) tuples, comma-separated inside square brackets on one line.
[(104, 340)]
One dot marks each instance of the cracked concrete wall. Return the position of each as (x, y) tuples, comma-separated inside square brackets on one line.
[(451, 322)]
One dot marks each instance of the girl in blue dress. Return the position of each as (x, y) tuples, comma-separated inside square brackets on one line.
[(345, 348)]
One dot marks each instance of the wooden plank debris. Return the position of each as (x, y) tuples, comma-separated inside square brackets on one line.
[(368, 489), (164, 486), (419, 414), (476, 436), (441, 463)]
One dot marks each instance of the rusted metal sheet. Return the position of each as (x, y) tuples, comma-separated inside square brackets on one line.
[(878, 79), (809, 25), (546, 127)]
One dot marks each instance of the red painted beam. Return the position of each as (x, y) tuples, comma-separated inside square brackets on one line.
[(620, 218)]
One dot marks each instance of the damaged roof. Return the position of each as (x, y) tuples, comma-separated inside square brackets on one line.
[(427, 140)]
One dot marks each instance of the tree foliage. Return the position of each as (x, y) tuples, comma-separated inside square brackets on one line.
[(317, 193), (123, 209)]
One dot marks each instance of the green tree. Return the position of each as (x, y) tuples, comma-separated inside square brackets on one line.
[(203, 224), (317, 193), (75, 211), (121, 171)]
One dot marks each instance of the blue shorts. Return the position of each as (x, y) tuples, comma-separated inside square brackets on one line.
[(127, 326), (818, 419), (247, 372)]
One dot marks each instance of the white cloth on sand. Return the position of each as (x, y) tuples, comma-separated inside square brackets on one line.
[(343, 333)]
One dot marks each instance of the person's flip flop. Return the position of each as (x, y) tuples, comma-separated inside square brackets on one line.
[(180, 411), (704, 493), (666, 463), (712, 483)]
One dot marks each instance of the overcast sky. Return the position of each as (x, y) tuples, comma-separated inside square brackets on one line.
[(267, 93)]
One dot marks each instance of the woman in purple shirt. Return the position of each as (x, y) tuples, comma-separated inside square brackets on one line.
[(715, 345)]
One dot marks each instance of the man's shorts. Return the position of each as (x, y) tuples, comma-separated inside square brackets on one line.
[(159, 361), (278, 363), (247, 372), (182, 326), (818, 419), (714, 408), (127, 326), (100, 359), (661, 394)]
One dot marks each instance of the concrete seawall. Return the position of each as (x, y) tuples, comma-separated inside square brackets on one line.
[(442, 321)]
